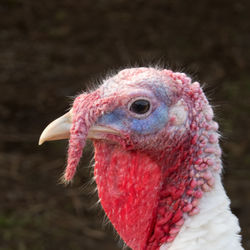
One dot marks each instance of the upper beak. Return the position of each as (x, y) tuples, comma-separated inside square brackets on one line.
[(60, 129), (57, 130)]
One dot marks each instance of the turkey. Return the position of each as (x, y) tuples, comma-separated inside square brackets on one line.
[(157, 160)]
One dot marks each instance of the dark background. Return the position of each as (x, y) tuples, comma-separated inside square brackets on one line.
[(50, 50)]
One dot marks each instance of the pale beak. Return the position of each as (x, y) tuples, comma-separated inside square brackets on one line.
[(57, 130), (60, 129)]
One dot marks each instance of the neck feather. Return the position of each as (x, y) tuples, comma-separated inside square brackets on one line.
[(214, 227)]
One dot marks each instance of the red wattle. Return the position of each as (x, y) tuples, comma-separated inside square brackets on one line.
[(128, 186)]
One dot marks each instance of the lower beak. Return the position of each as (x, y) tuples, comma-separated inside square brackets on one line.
[(59, 129)]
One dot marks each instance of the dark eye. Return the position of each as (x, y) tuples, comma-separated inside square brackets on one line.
[(140, 106)]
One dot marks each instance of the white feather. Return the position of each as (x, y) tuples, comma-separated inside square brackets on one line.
[(214, 228)]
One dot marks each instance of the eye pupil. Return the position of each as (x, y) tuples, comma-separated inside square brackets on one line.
[(140, 106)]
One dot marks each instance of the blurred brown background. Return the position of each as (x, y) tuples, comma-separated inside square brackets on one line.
[(50, 50)]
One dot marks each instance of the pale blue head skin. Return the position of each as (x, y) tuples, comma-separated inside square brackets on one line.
[(122, 120)]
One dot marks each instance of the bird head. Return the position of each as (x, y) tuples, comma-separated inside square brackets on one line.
[(154, 141)]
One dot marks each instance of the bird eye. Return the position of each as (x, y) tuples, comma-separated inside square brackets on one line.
[(140, 106)]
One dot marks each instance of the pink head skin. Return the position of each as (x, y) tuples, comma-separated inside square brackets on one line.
[(152, 173)]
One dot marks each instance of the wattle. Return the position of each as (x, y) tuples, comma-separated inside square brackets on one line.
[(128, 185)]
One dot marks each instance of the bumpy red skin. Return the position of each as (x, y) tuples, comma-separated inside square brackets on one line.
[(146, 190), (86, 110)]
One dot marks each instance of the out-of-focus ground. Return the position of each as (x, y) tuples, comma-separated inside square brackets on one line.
[(50, 50)]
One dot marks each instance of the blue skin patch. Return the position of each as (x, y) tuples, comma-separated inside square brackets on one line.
[(121, 120)]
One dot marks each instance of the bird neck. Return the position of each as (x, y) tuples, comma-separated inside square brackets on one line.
[(189, 170), (214, 227), (193, 209)]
